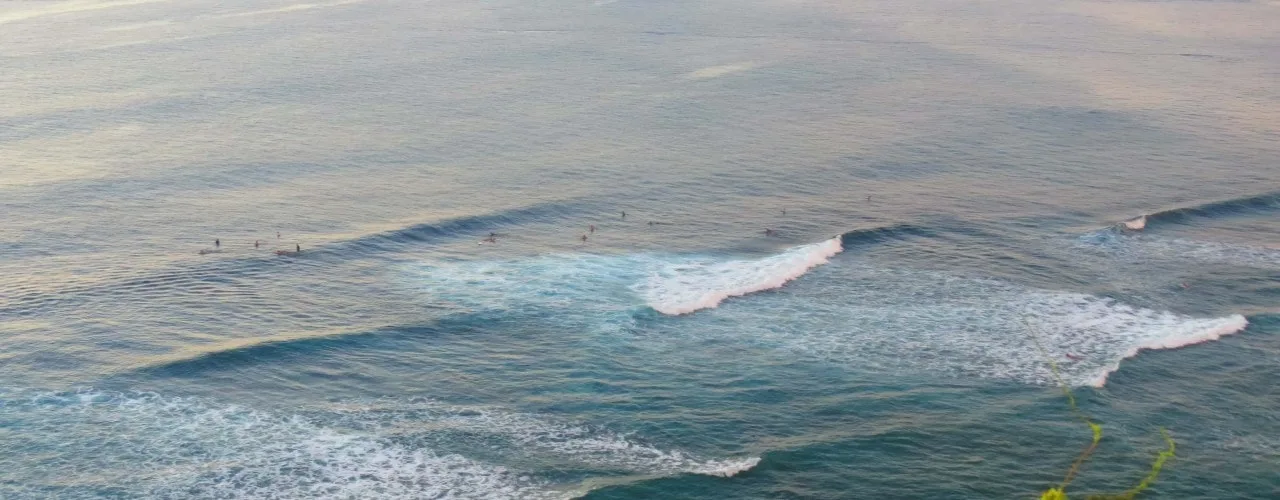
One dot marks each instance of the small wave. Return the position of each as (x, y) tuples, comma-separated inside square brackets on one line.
[(462, 226), (1234, 206), (688, 287), (884, 233), (246, 271), (145, 444)]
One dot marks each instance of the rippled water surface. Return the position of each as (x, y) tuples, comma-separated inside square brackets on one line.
[(621, 249)]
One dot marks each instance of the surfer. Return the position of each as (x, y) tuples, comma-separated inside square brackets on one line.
[(256, 243), (769, 232), (217, 243), (784, 211), (298, 247), (592, 229), (624, 214), (1073, 357), (584, 238)]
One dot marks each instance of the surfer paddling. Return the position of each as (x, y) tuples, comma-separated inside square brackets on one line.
[(1073, 357), (297, 250), (769, 232)]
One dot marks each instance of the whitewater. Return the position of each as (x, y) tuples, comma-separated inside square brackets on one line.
[(565, 249)]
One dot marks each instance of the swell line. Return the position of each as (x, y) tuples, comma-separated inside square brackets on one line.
[(1216, 209)]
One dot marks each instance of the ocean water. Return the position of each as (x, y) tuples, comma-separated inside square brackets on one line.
[(958, 195)]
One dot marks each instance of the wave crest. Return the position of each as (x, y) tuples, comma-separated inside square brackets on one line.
[(1182, 335), (688, 287)]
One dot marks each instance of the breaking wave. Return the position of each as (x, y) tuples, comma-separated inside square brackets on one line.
[(1180, 215), (902, 321), (855, 314), (686, 287)]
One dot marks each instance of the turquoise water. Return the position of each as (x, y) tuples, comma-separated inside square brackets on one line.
[(945, 185)]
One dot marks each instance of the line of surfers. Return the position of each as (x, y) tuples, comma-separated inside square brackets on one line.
[(217, 247), (591, 229), (492, 238)]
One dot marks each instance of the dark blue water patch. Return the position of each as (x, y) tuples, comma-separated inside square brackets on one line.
[(890, 464), (302, 352), (876, 235)]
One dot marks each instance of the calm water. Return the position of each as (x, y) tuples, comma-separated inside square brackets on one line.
[(946, 184)]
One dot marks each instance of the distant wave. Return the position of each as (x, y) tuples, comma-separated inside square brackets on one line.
[(474, 225), (1234, 206), (687, 287), (239, 273), (196, 448)]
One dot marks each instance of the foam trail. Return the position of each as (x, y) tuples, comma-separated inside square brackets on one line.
[(688, 287), (147, 445), (536, 435), (1141, 247)]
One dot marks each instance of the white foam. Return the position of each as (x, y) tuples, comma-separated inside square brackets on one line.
[(686, 287), (160, 447), (862, 316), (727, 468), (538, 436), (1136, 224), (914, 322)]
